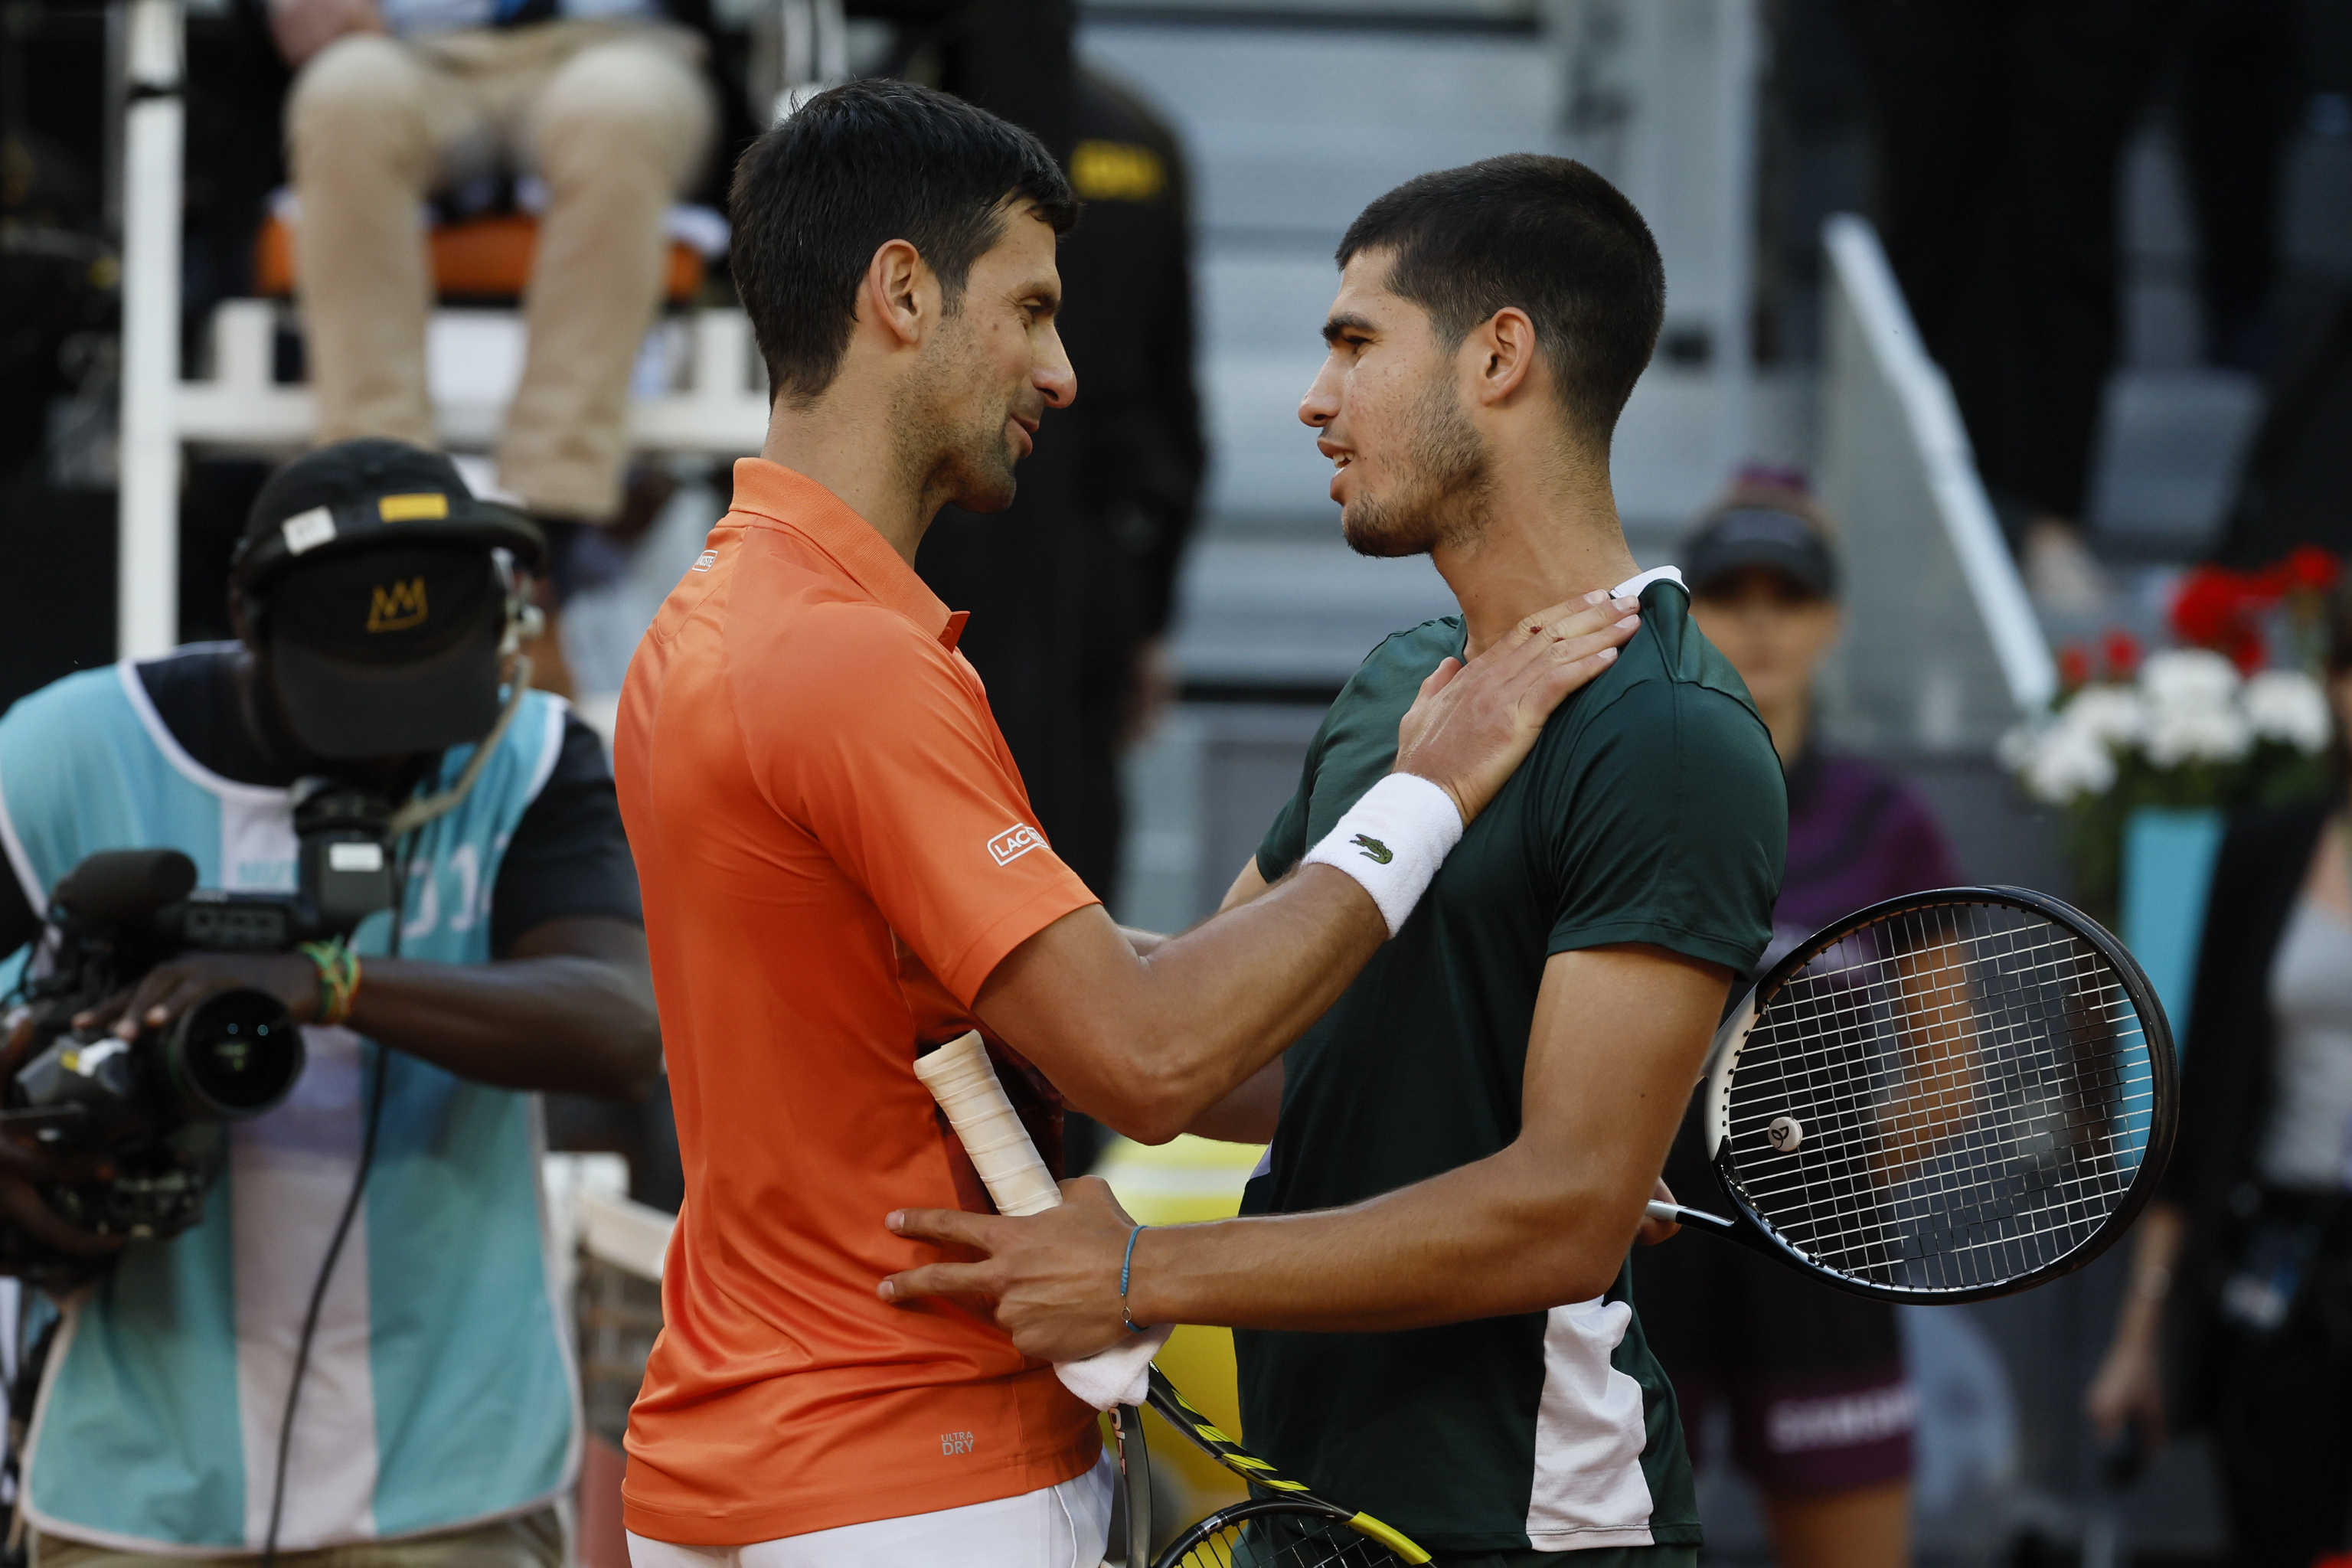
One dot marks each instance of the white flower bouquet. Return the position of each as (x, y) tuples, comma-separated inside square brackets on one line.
[(2188, 731)]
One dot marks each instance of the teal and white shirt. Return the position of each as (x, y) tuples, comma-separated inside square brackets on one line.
[(440, 1391)]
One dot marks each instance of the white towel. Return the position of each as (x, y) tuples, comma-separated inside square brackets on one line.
[(1119, 1375)]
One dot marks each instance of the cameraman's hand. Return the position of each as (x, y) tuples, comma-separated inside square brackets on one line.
[(168, 990), (23, 1172), (24, 1169)]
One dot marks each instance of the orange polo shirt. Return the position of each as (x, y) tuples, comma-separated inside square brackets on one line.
[(835, 850)]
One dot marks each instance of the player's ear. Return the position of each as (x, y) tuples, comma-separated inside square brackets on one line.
[(1505, 350), (898, 292)]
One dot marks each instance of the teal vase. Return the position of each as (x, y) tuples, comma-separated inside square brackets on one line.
[(2167, 869)]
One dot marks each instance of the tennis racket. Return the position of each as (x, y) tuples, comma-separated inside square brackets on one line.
[(1286, 1526), (1293, 1527), (1946, 1096)]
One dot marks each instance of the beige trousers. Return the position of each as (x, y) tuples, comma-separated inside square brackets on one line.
[(615, 118), (533, 1540)]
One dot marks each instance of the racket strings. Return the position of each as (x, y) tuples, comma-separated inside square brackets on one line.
[(1939, 1092), (1935, 1087), (1282, 1539), (1973, 1090)]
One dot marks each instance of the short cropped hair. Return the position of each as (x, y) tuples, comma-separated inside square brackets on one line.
[(1546, 235), (856, 167)]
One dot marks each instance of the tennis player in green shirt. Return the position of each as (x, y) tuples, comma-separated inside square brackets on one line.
[(1429, 1273)]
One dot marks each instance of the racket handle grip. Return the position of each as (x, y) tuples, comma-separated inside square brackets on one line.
[(963, 1080), (1699, 1219)]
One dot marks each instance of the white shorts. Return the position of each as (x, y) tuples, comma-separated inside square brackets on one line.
[(1068, 1526)]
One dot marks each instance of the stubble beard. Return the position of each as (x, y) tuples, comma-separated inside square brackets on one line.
[(1445, 494), (950, 419)]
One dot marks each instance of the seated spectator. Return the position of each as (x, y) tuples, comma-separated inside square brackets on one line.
[(1820, 1413), (601, 102)]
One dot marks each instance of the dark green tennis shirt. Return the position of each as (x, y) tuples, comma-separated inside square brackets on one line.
[(1651, 811)]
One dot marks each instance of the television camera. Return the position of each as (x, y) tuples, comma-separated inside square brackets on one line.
[(148, 1116)]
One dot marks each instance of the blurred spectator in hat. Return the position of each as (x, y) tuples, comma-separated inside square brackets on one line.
[(1820, 1411)]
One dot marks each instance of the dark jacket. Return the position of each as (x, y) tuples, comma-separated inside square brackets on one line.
[(2226, 1069)]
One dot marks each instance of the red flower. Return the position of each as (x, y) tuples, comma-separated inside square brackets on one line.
[(2210, 604), (2312, 569), (2121, 652), (2073, 666)]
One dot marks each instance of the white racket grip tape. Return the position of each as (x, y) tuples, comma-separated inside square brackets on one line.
[(1391, 841), (962, 1078), (963, 1082)]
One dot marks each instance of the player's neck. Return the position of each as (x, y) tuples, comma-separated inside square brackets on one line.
[(833, 441), (1551, 534)]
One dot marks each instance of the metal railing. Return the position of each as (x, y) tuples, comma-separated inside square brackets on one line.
[(1942, 650)]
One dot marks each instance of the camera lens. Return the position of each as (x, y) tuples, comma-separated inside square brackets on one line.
[(233, 1054)]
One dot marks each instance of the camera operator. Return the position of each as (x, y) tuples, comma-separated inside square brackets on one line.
[(360, 1342)]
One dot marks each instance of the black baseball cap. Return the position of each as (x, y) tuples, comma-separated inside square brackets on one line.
[(1752, 537), (370, 577)]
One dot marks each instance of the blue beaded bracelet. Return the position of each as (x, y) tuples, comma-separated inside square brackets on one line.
[(1124, 1264)]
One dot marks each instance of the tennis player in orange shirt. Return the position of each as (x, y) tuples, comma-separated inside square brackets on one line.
[(840, 867)]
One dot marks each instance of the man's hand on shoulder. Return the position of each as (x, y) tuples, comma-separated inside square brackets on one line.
[(1473, 724)]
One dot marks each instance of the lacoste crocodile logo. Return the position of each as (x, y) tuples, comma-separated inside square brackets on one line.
[(1375, 850)]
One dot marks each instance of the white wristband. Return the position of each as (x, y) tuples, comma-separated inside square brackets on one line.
[(1391, 841)]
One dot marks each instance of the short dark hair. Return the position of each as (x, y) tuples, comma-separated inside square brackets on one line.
[(855, 168), (1546, 235)]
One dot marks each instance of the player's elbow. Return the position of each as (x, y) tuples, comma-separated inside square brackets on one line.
[(1146, 1115), (1578, 1266), (1587, 1274), (1585, 1232), (1149, 1104)]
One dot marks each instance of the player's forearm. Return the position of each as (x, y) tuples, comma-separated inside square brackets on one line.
[(1224, 999), (1146, 1043), (1490, 1238)]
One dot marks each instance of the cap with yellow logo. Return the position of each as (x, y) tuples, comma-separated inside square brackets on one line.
[(368, 580)]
